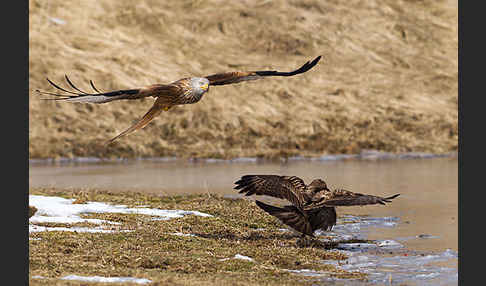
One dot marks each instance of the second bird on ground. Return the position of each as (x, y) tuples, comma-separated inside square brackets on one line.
[(313, 205)]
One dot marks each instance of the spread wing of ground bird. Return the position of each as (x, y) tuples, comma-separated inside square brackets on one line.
[(313, 206)]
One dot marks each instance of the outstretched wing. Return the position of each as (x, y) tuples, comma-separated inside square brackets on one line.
[(289, 215), (346, 198), (284, 187), (234, 77), (79, 95)]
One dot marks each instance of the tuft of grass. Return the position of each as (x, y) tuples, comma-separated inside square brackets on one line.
[(152, 251)]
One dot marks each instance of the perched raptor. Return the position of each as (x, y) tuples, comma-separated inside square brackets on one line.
[(313, 205), (184, 91)]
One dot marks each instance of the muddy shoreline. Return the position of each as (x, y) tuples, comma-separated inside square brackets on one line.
[(365, 155)]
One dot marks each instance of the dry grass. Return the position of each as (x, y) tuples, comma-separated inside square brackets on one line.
[(387, 81), (150, 251)]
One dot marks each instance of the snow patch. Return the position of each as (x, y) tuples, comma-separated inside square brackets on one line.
[(106, 279), (238, 256), (61, 210)]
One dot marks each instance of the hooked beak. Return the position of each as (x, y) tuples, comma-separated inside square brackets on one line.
[(205, 86)]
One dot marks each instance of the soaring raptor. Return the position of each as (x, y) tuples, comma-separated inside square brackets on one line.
[(313, 205), (184, 91)]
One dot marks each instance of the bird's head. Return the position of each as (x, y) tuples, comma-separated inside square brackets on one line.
[(200, 84), (318, 190), (318, 185)]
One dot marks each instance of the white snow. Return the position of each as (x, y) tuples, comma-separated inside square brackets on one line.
[(68, 219), (38, 277), (238, 256), (53, 209), (182, 234), (38, 228), (106, 279)]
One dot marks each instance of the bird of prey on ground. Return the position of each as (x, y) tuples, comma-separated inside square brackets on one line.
[(184, 91), (313, 205)]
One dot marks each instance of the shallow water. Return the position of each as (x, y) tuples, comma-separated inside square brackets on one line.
[(386, 261), (422, 219)]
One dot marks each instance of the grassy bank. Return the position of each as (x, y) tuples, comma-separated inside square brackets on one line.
[(387, 80), (152, 251)]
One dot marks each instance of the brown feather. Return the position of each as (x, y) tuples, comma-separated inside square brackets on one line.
[(81, 96), (165, 94), (289, 215), (313, 205), (153, 112), (322, 218), (231, 77), (239, 76), (284, 187), (347, 198)]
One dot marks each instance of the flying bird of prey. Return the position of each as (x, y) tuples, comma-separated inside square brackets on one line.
[(184, 91), (313, 205)]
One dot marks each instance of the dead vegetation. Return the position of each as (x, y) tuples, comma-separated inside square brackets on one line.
[(387, 81), (152, 251)]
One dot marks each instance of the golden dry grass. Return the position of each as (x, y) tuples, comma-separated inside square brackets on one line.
[(387, 81), (150, 251)]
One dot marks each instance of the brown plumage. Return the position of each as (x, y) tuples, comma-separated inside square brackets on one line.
[(313, 205), (183, 91)]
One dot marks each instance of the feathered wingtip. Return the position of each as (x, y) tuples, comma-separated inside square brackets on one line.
[(308, 65), (388, 199), (242, 180), (305, 67), (67, 96), (244, 185)]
